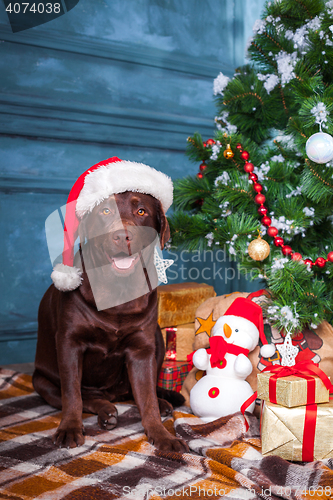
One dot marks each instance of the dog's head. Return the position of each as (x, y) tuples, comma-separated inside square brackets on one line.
[(117, 209), (118, 230)]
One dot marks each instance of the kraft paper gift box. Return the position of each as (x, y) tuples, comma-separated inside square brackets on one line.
[(301, 433), (291, 390), (177, 303), (178, 341), (173, 374)]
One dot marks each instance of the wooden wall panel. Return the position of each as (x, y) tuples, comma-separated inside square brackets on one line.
[(130, 78)]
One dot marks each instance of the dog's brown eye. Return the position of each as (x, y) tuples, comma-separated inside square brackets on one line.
[(106, 211), (141, 211)]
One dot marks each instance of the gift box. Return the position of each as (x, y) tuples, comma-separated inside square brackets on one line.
[(301, 433), (177, 303), (290, 391), (178, 341), (173, 374)]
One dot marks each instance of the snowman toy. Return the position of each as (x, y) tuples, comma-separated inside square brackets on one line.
[(224, 390)]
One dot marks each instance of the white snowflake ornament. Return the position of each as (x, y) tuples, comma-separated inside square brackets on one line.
[(287, 351), (161, 266)]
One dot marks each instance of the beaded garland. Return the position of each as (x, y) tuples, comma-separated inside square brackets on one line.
[(266, 221), (262, 210)]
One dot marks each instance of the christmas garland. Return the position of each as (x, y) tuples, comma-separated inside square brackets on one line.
[(260, 199)]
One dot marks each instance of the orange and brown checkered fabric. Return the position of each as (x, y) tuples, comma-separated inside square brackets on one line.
[(224, 461)]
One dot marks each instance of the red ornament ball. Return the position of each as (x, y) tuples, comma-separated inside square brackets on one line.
[(238, 146), (199, 175), (297, 256), (320, 262), (266, 221), (245, 155), (287, 250), (248, 167), (257, 187), (330, 257), (204, 144), (253, 177), (278, 241), (202, 167), (262, 210), (308, 262), (272, 231), (260, 199), (210, 142)]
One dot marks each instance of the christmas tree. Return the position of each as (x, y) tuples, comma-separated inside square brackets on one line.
[(269, 167)]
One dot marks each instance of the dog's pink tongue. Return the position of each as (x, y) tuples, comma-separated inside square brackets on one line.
[(123, 262)]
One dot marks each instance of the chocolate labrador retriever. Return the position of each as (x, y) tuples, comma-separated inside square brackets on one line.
[(86, 358)]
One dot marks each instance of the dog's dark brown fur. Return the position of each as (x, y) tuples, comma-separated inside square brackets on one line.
[(87, 359)]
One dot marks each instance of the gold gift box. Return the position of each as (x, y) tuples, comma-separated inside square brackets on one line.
[(177, 303), (282, 431), (291, 391), (185, 335)]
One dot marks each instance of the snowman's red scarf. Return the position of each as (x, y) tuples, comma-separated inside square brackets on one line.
[(219, 348)]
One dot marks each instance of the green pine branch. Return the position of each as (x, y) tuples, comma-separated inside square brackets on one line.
[(270, 108)]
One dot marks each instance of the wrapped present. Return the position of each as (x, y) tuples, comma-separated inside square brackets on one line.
[(290, 391), (178, 341), (178, 302), (301, 433), (173, 374)]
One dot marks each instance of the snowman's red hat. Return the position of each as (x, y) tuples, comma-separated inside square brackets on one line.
[(247, 309), (100, 181)]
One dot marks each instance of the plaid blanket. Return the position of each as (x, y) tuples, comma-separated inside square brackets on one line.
[(224, 461)]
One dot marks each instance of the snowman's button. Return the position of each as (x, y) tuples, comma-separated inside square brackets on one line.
[(222, 363), (213, 392)]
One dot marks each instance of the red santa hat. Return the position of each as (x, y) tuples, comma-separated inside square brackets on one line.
[(247, 309), (102, 180)]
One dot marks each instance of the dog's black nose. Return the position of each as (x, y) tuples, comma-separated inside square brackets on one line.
[(122, 235)]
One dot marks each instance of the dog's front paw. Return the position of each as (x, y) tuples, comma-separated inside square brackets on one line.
[(108, 417), (69, 436), (164, 441)]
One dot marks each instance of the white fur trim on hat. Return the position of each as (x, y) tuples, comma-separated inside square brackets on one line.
[(118, 177), (66, 278)]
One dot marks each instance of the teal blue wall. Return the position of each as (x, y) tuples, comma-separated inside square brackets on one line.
[(131, 78)]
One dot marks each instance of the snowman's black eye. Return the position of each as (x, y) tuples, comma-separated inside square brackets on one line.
[(236, 330)]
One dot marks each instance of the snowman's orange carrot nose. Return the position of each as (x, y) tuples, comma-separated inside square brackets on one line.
[(227, 330)]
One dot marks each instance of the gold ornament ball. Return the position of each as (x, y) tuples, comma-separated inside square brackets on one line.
[(259, 249), (228, 153)]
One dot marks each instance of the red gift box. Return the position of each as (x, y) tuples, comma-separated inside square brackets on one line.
[(171, 344), (173, 374), (178, 341)]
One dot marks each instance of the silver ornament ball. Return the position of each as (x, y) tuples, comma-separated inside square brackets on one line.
[(319, 147)]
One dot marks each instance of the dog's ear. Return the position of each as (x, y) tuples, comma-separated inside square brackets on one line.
[(164, 228)]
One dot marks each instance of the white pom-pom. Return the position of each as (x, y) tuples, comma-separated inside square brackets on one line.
[(66, 278), (267, 350)]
